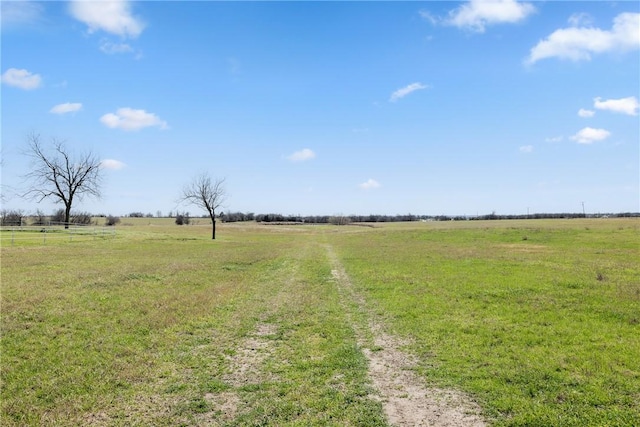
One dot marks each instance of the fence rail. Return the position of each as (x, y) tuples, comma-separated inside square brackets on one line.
[(44, 233)]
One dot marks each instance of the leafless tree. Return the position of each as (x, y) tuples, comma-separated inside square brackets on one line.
[(207, 194), (55, 174)]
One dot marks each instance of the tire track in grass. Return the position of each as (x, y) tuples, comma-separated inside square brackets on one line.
[(246, 367), (405, 399)]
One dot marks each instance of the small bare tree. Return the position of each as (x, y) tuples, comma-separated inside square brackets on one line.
[(207, 194), (58, 176)]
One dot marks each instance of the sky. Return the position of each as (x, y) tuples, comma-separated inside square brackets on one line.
[(324, 108)]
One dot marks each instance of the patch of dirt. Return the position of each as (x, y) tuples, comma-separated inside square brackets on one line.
[(226, 406), (405, 399), (245, 367)]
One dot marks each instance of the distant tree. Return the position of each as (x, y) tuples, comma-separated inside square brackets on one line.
[(11, 217), (82, 218), (39, 218), (61, 177), (183, 219), (58, 216), (112, 220), (339, 220), (207, 194)]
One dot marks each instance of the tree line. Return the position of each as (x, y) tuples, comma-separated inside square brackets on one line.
[(19, 218), (59, 175)]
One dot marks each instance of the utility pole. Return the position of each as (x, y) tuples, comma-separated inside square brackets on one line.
[(584, 214)]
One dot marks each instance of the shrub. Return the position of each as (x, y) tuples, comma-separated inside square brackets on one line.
[(182, 219), (58, 216), (112, 220), (39, 218), (81, 218), (11, 217), (339, 220)]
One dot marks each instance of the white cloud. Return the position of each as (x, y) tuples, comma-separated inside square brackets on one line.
[(302, 155), (401, 93), (579, 43), (130, 119), (112, 164), (429, 17), (580, 20), (477, 14), (624, 105), (113, 48), (526, 148), (20, 12), (67, 107), (586, 113), (112, 16), (554, 139), (370, 184), (22, 79), (590, 135)]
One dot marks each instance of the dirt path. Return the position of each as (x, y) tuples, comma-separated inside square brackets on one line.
[(406, 400)]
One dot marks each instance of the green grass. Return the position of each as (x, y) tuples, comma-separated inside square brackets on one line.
[(538, 320)]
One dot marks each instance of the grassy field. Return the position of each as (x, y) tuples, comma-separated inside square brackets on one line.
[(538, 321)]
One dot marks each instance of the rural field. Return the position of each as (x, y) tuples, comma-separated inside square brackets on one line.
[(470, 323)]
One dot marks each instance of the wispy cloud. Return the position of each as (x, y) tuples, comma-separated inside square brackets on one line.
[(114, 48), (113, 16), (370, 184), (302, 155), (476, 15), (628, 105), (17, 13), (590, 135), (402, 92), (586, 113), (112, 164), (579, 43), (554, 139), (130, 119), (526, 149), (67, 107), (21, 78), (580, 19)]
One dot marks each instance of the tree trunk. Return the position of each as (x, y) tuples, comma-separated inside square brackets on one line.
[(67, 215), (213, 235)]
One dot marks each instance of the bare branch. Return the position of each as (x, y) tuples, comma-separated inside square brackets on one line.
[(59, 176), (206, 194)]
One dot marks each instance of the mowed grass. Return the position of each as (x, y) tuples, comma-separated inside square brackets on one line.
[(538, 320), (145, 329)]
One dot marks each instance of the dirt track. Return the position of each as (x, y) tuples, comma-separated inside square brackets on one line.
[(406, 400)]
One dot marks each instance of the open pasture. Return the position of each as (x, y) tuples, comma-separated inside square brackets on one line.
[(537, 321)]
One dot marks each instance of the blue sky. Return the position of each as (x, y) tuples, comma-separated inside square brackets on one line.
[(318, 108)]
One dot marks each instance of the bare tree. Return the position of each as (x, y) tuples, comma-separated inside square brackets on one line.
[(207, 194), (58, 176)]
